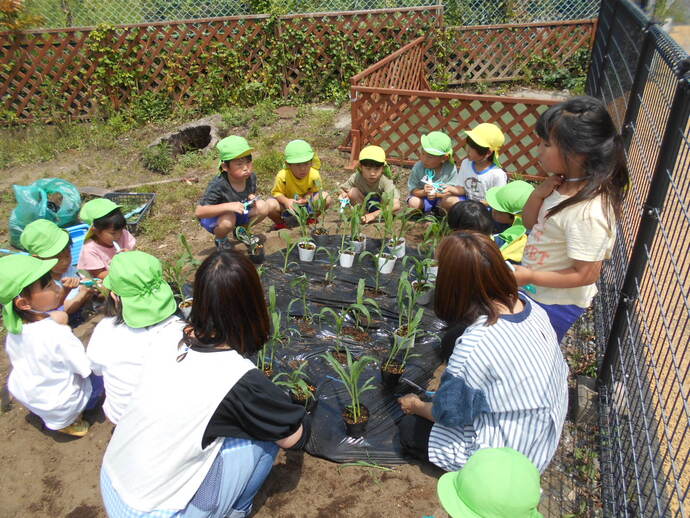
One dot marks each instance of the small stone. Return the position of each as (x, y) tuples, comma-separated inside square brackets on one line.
[(286, 112)]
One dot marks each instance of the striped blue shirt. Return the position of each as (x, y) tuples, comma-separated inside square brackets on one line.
[(518, 366)]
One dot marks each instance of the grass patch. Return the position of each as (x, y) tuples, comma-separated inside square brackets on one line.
[(266, 166)]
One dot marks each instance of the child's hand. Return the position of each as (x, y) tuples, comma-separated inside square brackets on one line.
[(251, 197), (408, 403), (69, 283), (546, 187), (523, 275), (236, 206), (60, 317)]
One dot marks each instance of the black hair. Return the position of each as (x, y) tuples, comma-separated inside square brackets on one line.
[(368, 162), (480, 149), (582, 126), (470, 215), (29, 316), (113, 220), (113, 308), (229, 305)]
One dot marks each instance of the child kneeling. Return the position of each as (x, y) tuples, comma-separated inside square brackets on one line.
[(432, 176), (370, 182), (50, 370), (298, 183), (230, 202)]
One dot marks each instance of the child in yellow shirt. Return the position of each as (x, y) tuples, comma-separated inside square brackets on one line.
[(299, 182)]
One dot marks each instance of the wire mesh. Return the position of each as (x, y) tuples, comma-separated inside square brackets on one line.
[(86, 13), (643, 309)]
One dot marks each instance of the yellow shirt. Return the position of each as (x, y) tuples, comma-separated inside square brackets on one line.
[(580, 232), (288, 185)]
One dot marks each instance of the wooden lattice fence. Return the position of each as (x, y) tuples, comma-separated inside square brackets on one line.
[(72, 71), (492, 53), (392, 107)]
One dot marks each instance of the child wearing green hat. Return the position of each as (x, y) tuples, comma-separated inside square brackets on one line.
[(494, 483), (481, 170), (45, 240), (107, 236), (140, 315), (370, 181), (229, 202), (432, 176), (51, 375), (299, 182), (507, 203)]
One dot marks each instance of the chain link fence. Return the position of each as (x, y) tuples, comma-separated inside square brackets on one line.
[(86, 13), (643, 307)]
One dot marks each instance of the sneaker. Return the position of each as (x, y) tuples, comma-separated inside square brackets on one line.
[(242, 236), (281, 225), (223, 244), (78, 428), (312, 221)]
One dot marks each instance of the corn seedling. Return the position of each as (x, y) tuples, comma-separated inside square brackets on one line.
[(420, 269), (301, 214), (354, 217), (320, 206), (301, 283), (296, 382), (406, 298), (266, 355), (290, 245), (332, 263), (349, 374), (338, 320), (365, 302)]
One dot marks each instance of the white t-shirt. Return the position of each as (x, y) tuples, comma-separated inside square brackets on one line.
[(50, 372), (580, 232), (117, 353), (476, 183)]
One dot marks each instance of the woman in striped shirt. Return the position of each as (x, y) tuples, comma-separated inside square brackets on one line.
[(506, 380)]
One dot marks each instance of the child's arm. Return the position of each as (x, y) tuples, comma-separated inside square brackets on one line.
[(581, 273), (290, 441), (60, 317), (211, 211), (531, 211), (75, 304)]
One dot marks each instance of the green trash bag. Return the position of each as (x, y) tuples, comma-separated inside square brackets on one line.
[(53, 199)]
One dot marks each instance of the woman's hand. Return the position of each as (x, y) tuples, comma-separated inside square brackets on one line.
[(409, 403)]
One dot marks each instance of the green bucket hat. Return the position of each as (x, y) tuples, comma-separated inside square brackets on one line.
[(18, 271), (494, 483), (44, 238), (298, 152), (437, 143), (233, 147), (137, 278), (511, 197), (97, 208)]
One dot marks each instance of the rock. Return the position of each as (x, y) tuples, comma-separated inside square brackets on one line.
[(198, 135), (286, 112), (586, 410)]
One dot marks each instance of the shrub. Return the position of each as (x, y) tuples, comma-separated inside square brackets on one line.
[(158, 159)]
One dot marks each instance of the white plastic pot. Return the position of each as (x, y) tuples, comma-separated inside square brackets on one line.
[(424, 294), (306, 250), (397, 250), (186, 307), (406, 342), (385, 263), (346, 259), (431, 272), (359, 246)]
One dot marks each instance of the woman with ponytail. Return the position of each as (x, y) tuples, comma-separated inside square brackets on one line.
[(573, 213)]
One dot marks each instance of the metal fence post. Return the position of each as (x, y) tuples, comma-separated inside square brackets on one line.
[(670, 145), (605, 53)]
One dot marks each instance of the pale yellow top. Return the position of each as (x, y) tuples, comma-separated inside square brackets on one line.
[(580, 232)]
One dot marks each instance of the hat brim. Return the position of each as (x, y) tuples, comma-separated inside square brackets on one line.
[(146, 310), (492, 200), (478, 139), (300, 159), (57, 247), (431, 150), (449, 497)]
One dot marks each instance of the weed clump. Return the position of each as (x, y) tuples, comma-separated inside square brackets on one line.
[(159, 158)]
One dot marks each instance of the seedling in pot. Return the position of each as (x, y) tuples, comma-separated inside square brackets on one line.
[(266, 355), (302, 216), (366, 302), (355, 415), (301, 283), (289, 247), (297, 383), (318, 203), (332, 262), (354, 218), (401, 350), (422, 285)]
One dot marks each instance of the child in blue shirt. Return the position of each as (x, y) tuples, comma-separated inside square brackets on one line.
[(433, 174)]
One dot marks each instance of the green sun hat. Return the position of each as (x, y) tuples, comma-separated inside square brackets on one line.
[(298, 152), (511, 197), (437, 143), (137, 278), (494, 483), (18, 271), (97, 208), (233, 147), (44, 238)]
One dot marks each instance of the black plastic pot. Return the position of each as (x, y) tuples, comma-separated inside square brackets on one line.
[(258, 255), (391, 377), (320, 236), (356, 429), (309, 405)]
